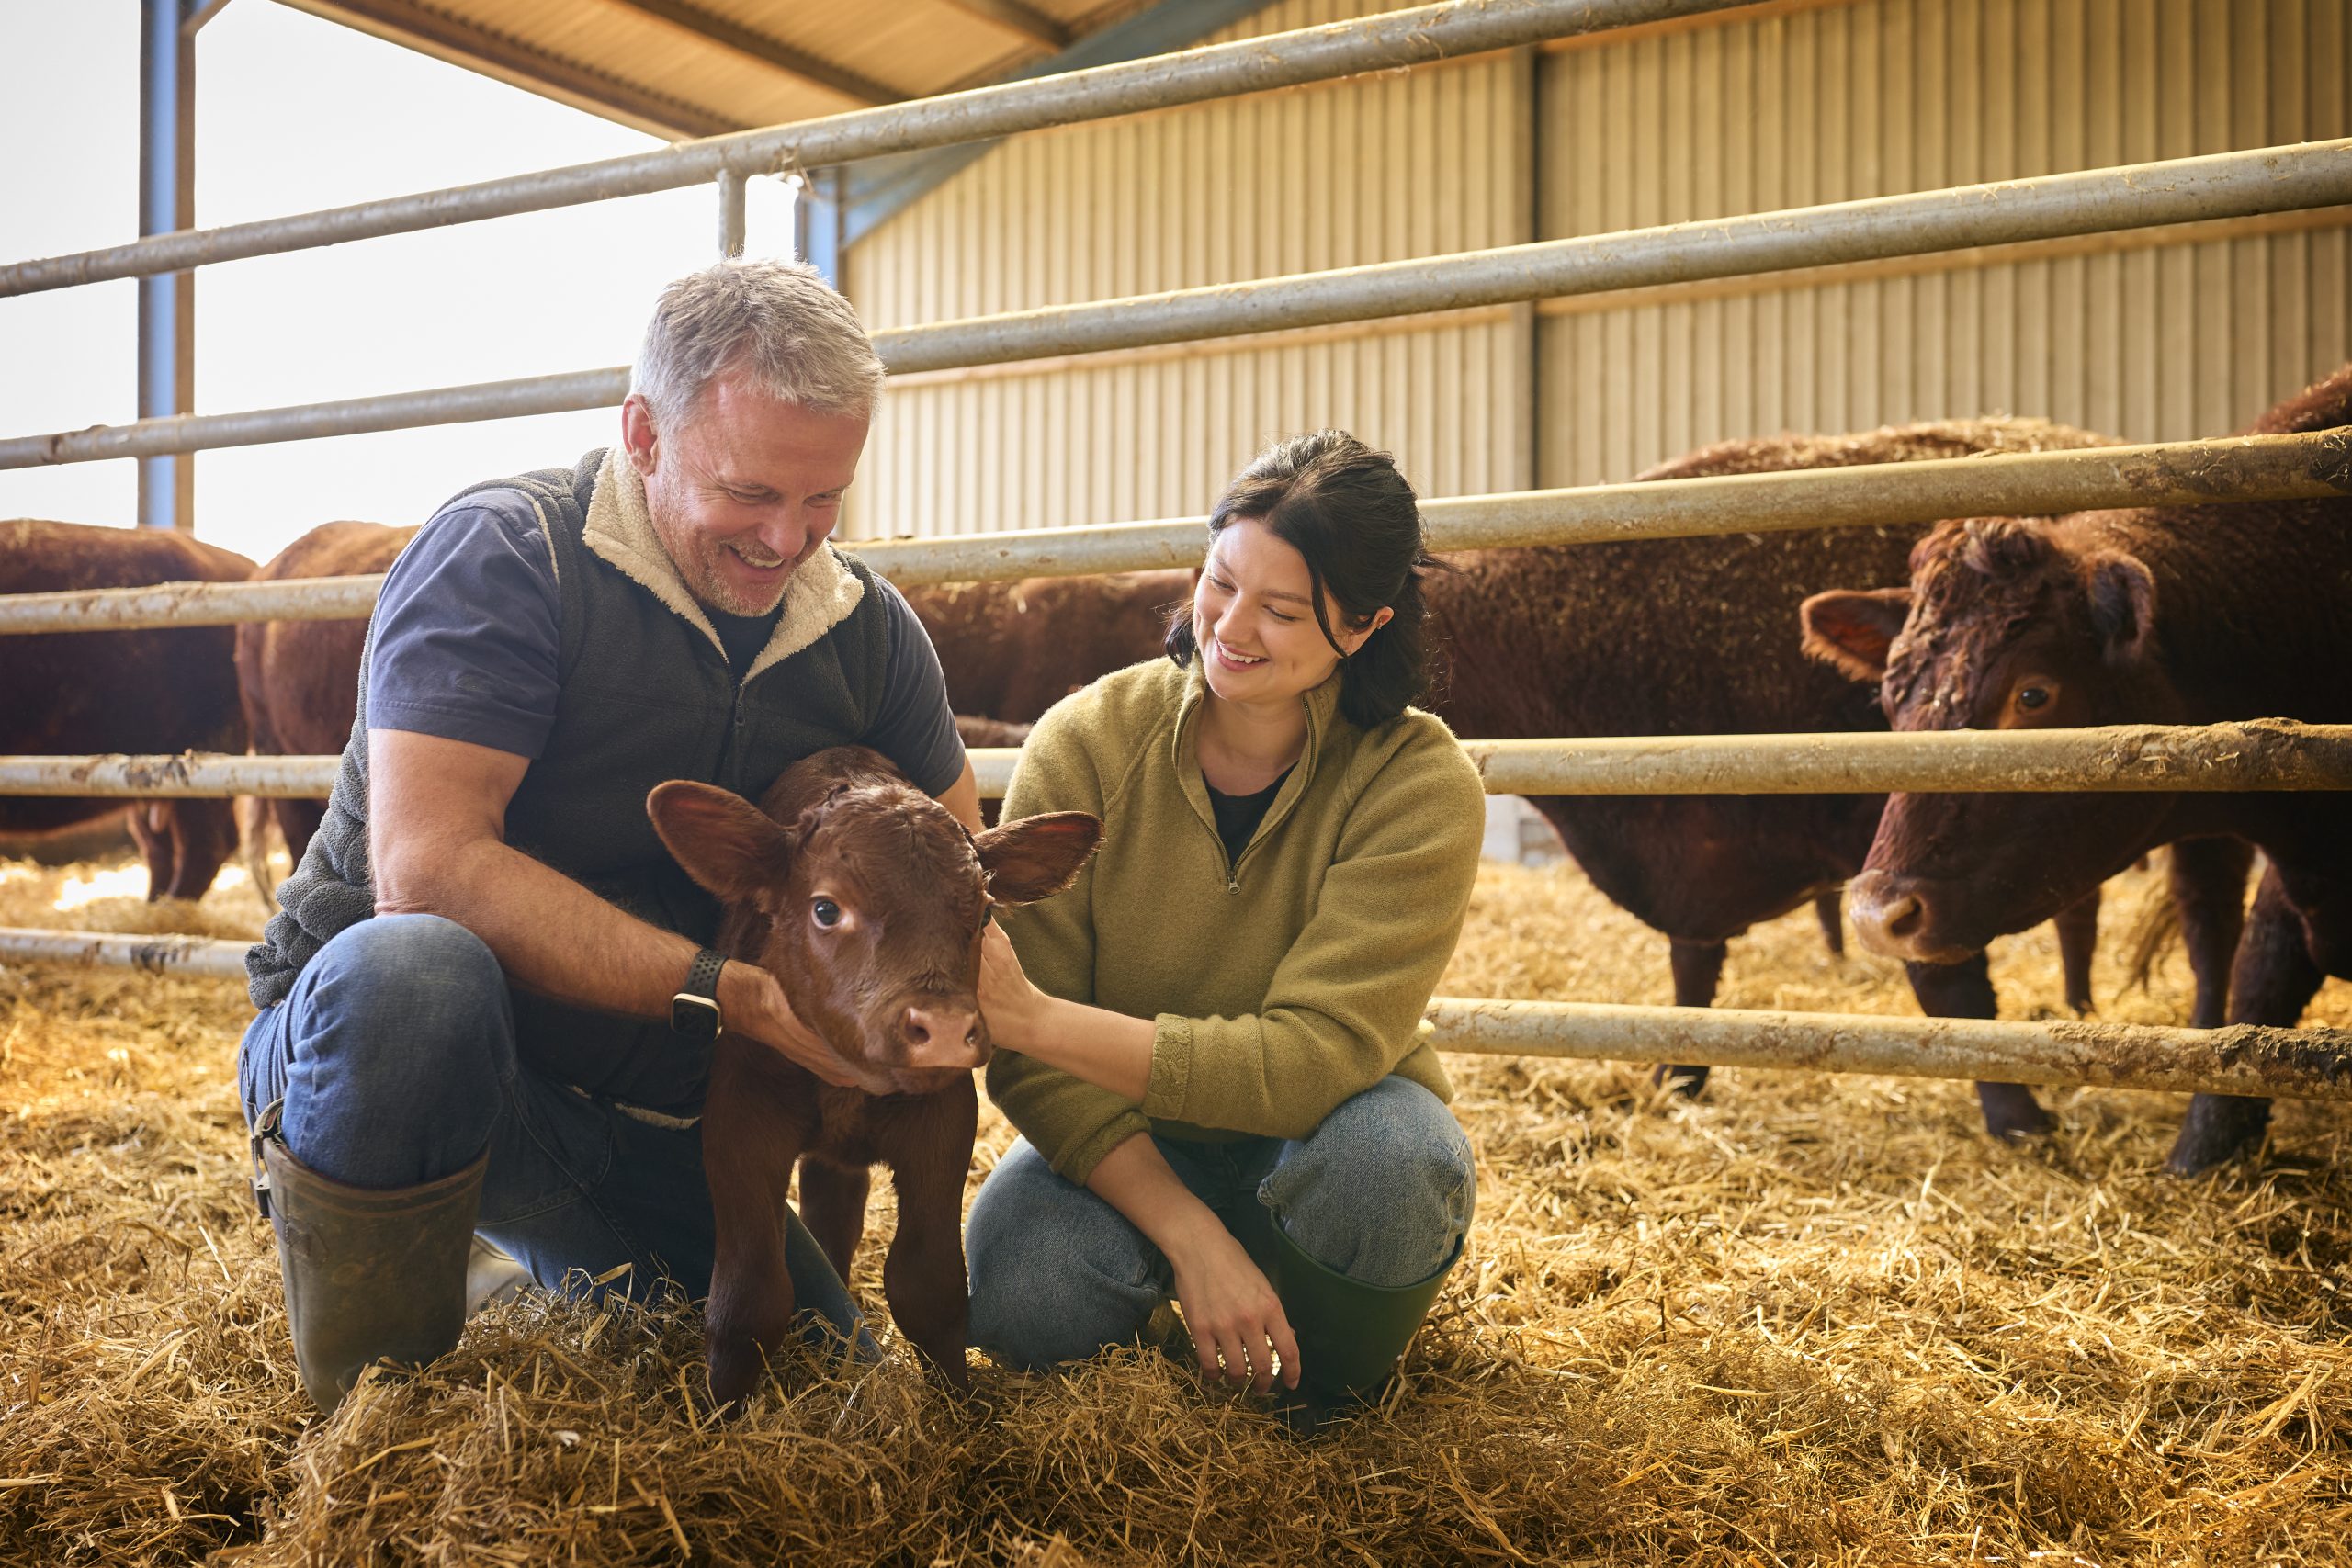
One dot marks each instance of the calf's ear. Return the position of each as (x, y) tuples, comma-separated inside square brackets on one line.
[(1850, 629), (728, 845), (1037, 857), (2123, 605)]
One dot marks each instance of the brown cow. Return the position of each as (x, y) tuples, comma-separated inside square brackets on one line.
[(161, 690), (865, 899), (299, 680), (2165, 615), (1666, 637)]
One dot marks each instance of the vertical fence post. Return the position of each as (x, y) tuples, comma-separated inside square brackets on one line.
[(167, 202), (731, 218), (817, 222)]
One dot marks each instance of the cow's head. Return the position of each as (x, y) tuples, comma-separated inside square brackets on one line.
[(2009, 623), (867, 900)]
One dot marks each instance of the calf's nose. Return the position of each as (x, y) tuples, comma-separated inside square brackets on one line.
[(1888, 916), (942, 1034)]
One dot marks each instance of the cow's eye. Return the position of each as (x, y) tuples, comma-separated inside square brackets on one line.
[(2032, 697), (826, 913)]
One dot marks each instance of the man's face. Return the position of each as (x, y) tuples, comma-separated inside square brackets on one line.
[(743, 488)]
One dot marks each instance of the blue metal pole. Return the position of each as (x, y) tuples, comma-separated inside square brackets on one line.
[(817, 210), (167, 202)]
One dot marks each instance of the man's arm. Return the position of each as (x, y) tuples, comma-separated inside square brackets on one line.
[(436, 838), (962, 798)]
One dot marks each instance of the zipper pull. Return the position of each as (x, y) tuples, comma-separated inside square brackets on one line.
[(1233, 881)]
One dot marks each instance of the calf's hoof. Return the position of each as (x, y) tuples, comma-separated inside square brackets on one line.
[(2219, 1127), (2011, 1112), (1686, 1081)]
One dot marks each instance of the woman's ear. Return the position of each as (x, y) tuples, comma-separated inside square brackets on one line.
[(1373, 623)]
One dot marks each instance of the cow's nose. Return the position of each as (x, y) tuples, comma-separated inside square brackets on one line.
[(942, 1034), (1888, 916)]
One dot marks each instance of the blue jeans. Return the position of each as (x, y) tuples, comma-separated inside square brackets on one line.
[(1381, 1191), (395, 1057)]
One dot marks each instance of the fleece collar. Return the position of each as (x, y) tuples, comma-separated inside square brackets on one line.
[(619, 530), (1322, 704)]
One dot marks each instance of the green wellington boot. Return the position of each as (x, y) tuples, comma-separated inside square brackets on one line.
[(1349, 1334), (370, 1275)]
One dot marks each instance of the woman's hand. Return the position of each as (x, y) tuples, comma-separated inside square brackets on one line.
[(1237, 1322), (1008, 1000)]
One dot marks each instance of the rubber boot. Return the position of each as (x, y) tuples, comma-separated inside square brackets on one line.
[(370, 1275), (1351, 1335)]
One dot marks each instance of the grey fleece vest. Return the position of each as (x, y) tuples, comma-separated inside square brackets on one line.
[(646, 696)]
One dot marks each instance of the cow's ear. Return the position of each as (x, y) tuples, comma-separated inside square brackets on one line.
[(1037, 857), (1851, 629), (728, 845), (2123, 605)]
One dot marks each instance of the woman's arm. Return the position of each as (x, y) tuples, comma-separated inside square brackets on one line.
[(1106, 1049)]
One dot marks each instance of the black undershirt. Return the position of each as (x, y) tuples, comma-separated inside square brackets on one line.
[(1237, 815)]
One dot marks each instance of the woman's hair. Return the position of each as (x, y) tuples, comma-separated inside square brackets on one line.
[(1346, 509)]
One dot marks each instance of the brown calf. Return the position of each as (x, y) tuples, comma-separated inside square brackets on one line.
[(162, 690), (2184, 615), (867, 900)]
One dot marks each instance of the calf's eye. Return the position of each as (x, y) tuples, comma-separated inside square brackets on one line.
[(2032, 697), (826, 913)]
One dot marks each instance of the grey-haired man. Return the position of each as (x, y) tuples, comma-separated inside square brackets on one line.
[(488, 1001)]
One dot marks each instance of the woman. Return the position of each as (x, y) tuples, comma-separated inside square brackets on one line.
[(1210, 1044)]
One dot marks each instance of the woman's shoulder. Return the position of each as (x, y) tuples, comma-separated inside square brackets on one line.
[(1114, 710), (1416, 753)]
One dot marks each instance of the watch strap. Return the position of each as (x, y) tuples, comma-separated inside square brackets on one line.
[(702, 981)]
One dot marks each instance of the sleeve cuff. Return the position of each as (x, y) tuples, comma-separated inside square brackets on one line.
[(1171, 1067), (1077, 1161)]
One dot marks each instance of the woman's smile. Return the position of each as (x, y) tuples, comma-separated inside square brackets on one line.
[(1233, 659)]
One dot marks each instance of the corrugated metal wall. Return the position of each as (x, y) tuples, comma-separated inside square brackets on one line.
[(1795, 103)]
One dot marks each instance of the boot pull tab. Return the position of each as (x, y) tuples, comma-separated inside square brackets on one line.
[(266, 1130)]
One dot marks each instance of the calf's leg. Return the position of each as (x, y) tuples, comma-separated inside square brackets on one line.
[(2207, 881), (1965, 991), (2272, 982), (2078, 927), (923, 1278), (748, 1159), (1697, 965), (832, 1204)]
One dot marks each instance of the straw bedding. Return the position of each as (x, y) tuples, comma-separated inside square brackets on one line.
[(1801, 1319)]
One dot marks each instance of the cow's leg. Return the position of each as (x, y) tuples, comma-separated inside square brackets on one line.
[(203, 835), (748, 1159), (2207, 881), (923, 1278), (151, 829), (1965, 991), (1829, 908), (833, 1205), (1697, 967), (2273, 980), (2077, 926)]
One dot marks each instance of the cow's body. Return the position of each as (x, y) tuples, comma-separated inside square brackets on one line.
[(1671, 637), (893, 976), (2165, 615), (299, 680), (147, 691)]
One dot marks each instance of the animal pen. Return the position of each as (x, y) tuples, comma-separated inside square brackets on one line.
[(2310, 1063)]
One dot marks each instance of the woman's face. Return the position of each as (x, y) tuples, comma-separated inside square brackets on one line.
[(1255, 623)]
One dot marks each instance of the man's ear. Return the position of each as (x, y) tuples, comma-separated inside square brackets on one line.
[(1037, 857), (728, 845), (639, 442), (2123, 605), (1851, 629)]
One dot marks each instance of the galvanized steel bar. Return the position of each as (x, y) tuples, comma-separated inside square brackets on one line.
[(1384, 42), (2309, 1064), (2275, 179), (158, 954), (731, 215), (191, 605), (2268, 753)]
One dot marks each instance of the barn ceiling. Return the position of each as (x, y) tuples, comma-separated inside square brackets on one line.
[(685, 68)]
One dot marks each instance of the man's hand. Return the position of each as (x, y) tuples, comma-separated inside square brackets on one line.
[(752, 1004), (1237, 1324)]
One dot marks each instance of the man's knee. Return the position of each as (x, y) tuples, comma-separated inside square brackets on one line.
[(416, 998), (1382, 1190), (1056, 1272)]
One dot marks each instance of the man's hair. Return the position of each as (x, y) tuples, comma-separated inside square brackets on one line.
[(781, 322)]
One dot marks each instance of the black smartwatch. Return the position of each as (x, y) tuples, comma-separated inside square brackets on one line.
[(693, 1012)]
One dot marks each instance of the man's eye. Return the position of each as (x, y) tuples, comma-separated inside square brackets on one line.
[(826, 913)]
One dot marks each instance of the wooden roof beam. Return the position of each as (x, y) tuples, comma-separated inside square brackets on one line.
[(1034, 27), (502, 59), (776, 55)]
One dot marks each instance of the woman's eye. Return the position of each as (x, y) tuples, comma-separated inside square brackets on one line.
[(1280, 616), (826, 913), (2032, 697)]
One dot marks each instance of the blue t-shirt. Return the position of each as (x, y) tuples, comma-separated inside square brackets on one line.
[(468, 636)]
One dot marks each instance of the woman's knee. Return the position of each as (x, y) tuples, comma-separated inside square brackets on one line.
[(1056, 1273), (1382, 1190)]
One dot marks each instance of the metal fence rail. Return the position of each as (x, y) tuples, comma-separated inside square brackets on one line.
[(2270, 754), (2237, 468), (2226, 185), (1386, 42)]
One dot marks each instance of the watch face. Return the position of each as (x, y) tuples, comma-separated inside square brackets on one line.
[(696, 1018)]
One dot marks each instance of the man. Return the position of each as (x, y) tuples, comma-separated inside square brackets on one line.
[(486, 1001)]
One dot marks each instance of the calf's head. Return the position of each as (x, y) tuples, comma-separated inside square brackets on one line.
[(2007, 624), (866, 899)]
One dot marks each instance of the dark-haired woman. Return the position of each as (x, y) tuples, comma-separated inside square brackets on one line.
[(1210, 1044)]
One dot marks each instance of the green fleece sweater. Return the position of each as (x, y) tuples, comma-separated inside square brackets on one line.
[(1279, 985)]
